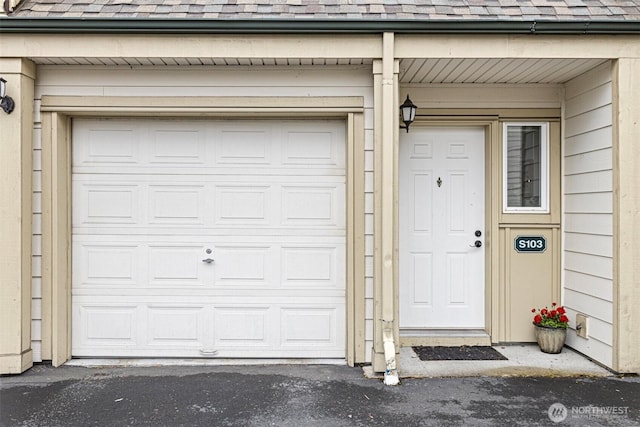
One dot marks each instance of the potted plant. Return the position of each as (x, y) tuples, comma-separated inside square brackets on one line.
[(550, 328)]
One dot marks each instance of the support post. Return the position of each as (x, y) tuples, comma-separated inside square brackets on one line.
[(15, 217), (626, 251), (386, 130)]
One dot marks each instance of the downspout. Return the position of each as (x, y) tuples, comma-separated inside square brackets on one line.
[(389, 130)]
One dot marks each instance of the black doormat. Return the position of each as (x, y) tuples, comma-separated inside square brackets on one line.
[(458, 353)]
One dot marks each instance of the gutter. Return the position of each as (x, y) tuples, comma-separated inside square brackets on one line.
[(307, 26)]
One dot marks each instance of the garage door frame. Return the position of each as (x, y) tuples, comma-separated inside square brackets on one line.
[(57, 112)]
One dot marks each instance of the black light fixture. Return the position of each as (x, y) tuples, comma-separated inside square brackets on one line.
[(6, 102), (408, 110)]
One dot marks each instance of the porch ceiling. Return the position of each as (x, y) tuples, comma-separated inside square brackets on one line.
[(171, 61), (412, 71), (493, 70)]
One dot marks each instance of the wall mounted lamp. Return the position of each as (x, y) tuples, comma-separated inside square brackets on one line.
[(6, 102), (408, 110)]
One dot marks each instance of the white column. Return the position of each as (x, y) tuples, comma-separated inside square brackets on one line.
[(386, 136)]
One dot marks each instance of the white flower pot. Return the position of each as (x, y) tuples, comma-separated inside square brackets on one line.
[(550, 340)]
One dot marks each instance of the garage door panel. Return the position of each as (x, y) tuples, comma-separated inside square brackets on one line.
[(176, 266), (313, 205), (136, 201), (256, 294), (210, 147), (107, 142), (101, 262), (203, 239), (113, 204), (321, 147), (243, 147), (154, 200), (243, 204), (137, 265), (176, 326), (107, 325), (110, 265), (243, 233), (236, 265), (309, 326), (236, 329), (194, 178), (172, 145), (308, 267), (116, 329), (239, 172), (243, 326), (177, 204)]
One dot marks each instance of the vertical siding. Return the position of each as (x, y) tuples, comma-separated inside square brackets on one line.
[(36, 246), (201, 81), (588, 210), (368, 229)]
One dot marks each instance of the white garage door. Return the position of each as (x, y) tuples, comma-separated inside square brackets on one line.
[(208, 238)]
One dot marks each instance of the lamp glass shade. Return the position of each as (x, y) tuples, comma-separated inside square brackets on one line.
[(3, 87), (408, 114), (408, 110)]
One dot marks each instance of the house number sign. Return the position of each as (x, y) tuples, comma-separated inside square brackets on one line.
[(530, 244)]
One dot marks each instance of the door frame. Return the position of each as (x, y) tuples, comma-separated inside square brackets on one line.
[(57, 112), (491, 127)]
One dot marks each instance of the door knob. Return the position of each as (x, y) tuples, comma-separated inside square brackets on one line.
[(476, 244), (478, 233), (208, 260)]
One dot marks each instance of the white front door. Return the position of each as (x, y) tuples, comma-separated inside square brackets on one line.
[(441, 219)]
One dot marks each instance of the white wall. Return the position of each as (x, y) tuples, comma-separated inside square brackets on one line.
[(588, 210), (204, 81)]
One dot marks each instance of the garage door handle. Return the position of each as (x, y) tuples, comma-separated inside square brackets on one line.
[(208, 260)]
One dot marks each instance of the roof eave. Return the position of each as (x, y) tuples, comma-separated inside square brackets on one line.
[(309, 26)]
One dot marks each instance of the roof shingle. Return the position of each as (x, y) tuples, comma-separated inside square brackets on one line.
[(550, 10)]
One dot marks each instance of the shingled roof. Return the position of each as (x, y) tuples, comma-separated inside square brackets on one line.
[(417, 10)]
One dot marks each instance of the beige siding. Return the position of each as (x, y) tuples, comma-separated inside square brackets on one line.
[(588, 210), (484, 96), (626, 270), (208, 81)]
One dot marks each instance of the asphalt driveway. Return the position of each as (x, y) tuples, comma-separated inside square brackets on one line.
[(305, 396)]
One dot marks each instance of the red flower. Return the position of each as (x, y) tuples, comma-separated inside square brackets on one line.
[(553, 304), (554, 318)]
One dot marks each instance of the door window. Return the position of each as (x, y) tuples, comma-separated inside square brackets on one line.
[(525, 167)]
